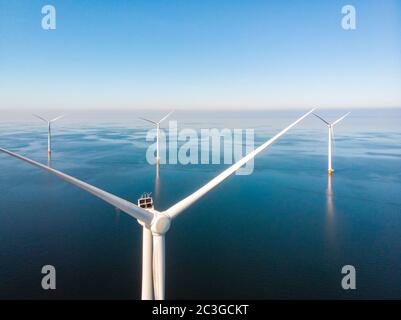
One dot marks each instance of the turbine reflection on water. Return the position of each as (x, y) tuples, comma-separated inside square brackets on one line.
[(330, 212)]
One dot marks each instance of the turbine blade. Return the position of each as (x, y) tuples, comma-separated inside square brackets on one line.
[(340, 119), (186, 202), (165, 117), (58, 118), (321, 118), (159, 266), (148, 120), (147, 264), (124, 205), (39, 117)]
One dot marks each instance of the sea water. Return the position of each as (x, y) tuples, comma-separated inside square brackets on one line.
[(285, 231)]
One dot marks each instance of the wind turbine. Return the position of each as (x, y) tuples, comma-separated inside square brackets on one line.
[(331, 138), (49, 134), (155, 224), (157, 124)]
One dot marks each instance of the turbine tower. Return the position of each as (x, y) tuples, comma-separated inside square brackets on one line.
[(157, 124), (330, 169), (155, 224), (49, 134)]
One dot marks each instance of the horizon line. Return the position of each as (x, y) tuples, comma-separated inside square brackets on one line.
[(177, 109)]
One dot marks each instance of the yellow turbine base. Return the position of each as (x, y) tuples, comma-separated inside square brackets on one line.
[(330, 172)]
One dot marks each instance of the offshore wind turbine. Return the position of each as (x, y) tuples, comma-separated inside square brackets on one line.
[(49, 134), (330, 126), (157, 124), (155, 224)]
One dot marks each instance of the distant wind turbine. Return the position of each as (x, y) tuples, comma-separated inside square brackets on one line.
[(157, 124), (49, 135), (155, 224), (330, 169)]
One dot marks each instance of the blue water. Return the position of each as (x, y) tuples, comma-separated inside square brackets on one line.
[(283, 232)]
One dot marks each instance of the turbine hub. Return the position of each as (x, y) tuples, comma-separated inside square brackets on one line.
[(160, 223)]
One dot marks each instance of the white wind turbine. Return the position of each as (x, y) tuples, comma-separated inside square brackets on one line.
[(330, 169), (155, 224), (49, 134), (157, 124)]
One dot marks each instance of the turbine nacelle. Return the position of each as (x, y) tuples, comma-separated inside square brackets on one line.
[(160, 222)]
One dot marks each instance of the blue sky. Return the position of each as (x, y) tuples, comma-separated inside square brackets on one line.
[(190, 54)]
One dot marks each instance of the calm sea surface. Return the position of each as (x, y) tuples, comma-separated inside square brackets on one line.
[(283, 232)]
